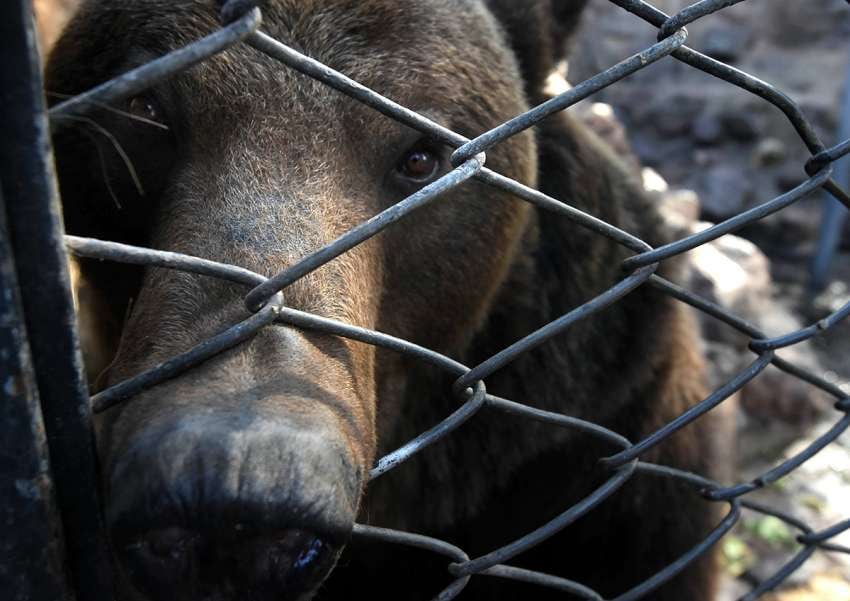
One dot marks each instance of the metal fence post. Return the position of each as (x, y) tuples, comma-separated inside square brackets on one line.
[(31, 548), (33, 216)]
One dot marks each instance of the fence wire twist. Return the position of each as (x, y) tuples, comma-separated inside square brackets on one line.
[(241, 21)]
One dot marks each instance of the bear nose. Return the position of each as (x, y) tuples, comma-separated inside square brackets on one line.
[(176, 563), (220, 509)]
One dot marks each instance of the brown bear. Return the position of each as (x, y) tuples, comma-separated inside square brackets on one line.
[(242, 478)]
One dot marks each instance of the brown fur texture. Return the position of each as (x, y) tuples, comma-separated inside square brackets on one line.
[(51, 16), (261, 166)]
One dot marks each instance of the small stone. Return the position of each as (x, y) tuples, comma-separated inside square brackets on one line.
[(727, 190), (686, 203), (770, 151), (739, 125), (790, 177), (704, 158), (735, 271), (707, 130), (675, 115), (652, 181), (726, 44), (775, 395), (771, 561)]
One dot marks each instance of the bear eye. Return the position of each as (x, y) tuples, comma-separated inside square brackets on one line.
[(419, 164), (146, 109)]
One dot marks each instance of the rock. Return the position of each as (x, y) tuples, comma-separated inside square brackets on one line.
[(679, 208), (600, 118), (769, 151), (826, 586), (735, 274), (774, 395), (652, 181), (726, 44), (835, 295), (675, 115), (726, 191), (683, 204), (732, 589), (707, 130), (790, 176), (768, 565), (803, 23), (739, 124), (664, 154), (705, 158)]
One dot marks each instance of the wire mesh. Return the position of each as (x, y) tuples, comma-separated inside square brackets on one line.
[(264, 297)]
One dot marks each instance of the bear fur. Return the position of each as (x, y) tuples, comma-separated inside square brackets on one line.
[(630, 368)]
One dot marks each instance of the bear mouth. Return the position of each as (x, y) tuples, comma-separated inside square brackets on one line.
[(174, 563)]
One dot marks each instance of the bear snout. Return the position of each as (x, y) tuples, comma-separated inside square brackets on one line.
[(212, 509), (183, 564)]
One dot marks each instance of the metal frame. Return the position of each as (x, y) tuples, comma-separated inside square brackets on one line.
[(36, 258)]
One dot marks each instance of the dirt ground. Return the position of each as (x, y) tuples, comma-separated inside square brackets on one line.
[(730, 151)]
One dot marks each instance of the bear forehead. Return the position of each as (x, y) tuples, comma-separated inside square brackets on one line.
[(354, 36), (422, 54)]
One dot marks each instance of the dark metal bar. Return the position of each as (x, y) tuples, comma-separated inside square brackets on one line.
[(706, 306), (32, 549), (691, 13), (134, 255), (557, 419), (409, 539), (813, 379), (575, 589), (830, 154), (819, 537), (785, 517), (802, 334), (539, 199), (35, 234), (420, 542), (308, 321), (429, 437)]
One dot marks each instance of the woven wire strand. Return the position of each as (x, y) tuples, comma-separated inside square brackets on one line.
[(241, 22)]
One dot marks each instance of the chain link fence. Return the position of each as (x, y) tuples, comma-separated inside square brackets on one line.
[(241, 23)]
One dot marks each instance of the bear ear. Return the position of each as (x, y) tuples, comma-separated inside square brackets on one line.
[(539, 32)]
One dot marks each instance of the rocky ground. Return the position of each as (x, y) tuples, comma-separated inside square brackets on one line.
[(710, 150), (51, 17)]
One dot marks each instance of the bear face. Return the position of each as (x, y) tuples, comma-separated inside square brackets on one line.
[(242, 478)]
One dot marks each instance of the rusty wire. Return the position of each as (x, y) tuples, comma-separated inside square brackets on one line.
[(264, 296)]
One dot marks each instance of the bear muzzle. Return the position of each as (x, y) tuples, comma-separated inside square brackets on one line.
[(220, 509)]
